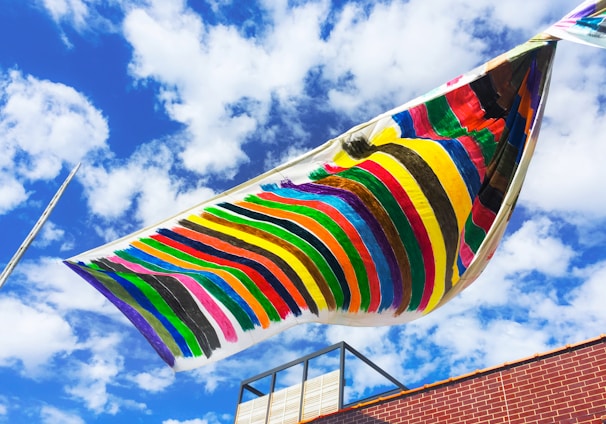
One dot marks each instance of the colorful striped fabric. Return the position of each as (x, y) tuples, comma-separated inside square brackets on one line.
[(376, 227), (585, 24)]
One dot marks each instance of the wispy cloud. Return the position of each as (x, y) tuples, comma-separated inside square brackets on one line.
[(209, 418), (43, 125), (154, 380), (52, 415)]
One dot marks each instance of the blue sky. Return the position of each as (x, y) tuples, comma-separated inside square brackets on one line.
[(167, 103)]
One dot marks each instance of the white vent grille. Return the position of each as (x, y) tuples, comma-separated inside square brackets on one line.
[(321, 396), (252, 412), (284, 407)]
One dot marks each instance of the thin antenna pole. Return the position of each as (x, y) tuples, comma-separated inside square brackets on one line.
[(32, 234)]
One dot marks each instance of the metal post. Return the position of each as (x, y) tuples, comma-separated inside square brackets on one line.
[(270, 396), (342, 375), (305, 372), (32, 234)]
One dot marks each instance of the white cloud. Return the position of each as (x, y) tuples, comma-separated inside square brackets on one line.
[(154, 381), (50, 282), (50, 122), (535, 247), (52, 415), (94, 375), (360, 338), (144, 187), (370, 48), (566, 174), (35, 335), (579, 314), (43, 125), (12, 193), (3, 409), (529, 17), (216, 68), (50, 233)]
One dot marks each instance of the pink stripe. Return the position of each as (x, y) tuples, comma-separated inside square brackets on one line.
[(192, 285), (423, 127), (465, 252), (475, 154)]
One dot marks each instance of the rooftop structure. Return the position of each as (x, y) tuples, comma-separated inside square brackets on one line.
[(564, 386)]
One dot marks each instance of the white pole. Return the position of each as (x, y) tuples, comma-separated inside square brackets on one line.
[(32, 234)]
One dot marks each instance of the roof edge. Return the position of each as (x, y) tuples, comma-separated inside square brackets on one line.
[(477, 373)]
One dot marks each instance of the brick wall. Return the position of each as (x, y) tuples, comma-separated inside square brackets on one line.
[(565, 386)]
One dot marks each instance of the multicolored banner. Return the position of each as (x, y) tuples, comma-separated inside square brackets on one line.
[(376, 227)]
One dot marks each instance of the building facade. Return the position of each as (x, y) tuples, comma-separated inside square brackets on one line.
[(564, 386)]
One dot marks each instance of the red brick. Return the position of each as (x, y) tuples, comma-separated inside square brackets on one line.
[(567, 388)]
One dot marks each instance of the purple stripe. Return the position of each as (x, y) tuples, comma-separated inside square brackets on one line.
[(131, 313), (534, 80), (358, 205), (590, 9)]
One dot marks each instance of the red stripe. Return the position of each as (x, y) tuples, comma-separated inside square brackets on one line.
[(350, 230), (467, 108), (265, 287), (415, 221), (423, 127), (481, 215)]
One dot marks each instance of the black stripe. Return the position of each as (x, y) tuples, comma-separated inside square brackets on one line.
[(260, 268), (488, 96), (180, 301), (305, 235)]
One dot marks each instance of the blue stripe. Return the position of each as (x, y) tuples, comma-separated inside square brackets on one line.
[(146, 304), (213, 278), (407, 128), (464, 165), (367, 236)]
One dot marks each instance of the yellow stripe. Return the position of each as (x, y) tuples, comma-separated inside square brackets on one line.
[(451, 180), (229, 279), (423, 207), (442, 165), (291, 259)]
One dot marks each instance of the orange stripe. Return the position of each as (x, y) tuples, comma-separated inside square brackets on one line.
[(229, 248), (326, 237), (350, 230), (229, 278)]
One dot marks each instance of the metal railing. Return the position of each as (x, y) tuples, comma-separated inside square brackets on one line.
[(343, 347)]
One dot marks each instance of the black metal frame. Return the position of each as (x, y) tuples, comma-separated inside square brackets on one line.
[(343, 347)]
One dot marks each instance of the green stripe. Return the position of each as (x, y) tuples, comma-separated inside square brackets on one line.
[(400, 221), (237, 273), (487, 143), (445, 123), (337, 232), (474, 235), (121, 293), (163, 308), (289, 237), (240, 315), (442, 118)]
